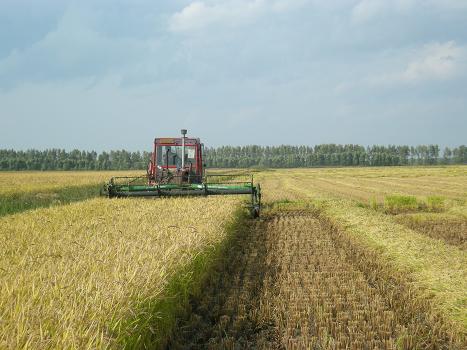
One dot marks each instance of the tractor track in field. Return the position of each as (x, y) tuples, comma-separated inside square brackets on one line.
[(292, 281)]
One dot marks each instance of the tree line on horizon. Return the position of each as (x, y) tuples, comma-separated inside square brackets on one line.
[(284, 156)]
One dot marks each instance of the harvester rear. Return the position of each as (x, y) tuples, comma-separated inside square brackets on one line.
[(176, 168)]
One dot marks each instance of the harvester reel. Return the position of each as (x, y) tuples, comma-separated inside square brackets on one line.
[(168, 187)]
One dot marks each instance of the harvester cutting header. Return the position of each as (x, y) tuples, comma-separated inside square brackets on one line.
[(176, 168)]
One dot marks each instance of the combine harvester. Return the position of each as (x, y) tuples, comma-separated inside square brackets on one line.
[(171, 174)]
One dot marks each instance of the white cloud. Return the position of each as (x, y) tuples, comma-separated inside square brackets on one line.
[(427, 64), (366, 10), (437, 61), (287, 5), (201, 14), (432, 62)]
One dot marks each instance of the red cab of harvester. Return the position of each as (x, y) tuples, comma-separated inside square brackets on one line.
[(167, 163)]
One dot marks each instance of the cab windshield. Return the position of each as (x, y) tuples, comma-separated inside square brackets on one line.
[(172, 156)]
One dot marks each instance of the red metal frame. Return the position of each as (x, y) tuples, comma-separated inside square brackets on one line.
[(174, 141)]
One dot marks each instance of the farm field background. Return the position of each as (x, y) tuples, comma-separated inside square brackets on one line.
[(21, 191), (341, 257), (37, 181)]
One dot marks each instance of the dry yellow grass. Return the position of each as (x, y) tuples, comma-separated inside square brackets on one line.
[(38, 181), (86, 275), (364, 184)]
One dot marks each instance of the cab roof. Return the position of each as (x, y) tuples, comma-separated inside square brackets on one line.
[(176, 141)]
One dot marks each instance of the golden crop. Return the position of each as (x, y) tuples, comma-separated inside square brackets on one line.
[(74, 276), (45, 181)]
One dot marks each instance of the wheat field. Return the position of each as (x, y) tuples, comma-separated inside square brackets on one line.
[(85, 275), (37, 181), (342, 258)]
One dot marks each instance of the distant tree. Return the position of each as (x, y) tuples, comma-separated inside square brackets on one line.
[(283, 156), (447, 156), (460, 155)]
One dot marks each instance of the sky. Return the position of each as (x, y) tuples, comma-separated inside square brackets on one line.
[(114, 74)]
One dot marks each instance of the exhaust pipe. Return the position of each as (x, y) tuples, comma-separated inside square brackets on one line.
[(183, 147)]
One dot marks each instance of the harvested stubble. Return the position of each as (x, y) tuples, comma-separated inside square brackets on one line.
[(438, 270), (364, 184), (321, 298), (338, 294), (94, 274), (427, 326), (226, 314), (452, 230), (298, 282)]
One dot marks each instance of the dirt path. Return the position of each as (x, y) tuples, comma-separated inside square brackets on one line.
[(291, 282)]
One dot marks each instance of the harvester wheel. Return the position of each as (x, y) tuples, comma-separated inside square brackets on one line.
[(254, 211)]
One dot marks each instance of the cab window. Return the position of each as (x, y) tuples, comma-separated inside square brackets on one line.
[(172, 155)]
